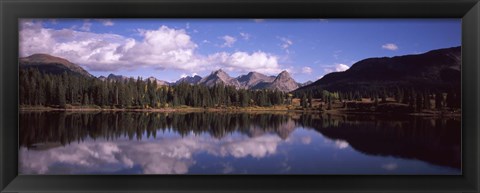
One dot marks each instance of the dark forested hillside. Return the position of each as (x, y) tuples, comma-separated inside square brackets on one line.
[(433, 70)]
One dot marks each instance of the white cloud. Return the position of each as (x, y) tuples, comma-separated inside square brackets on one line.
[(163, 48), (336, 68), (286, 43), (341, 144), (390, 46), (229, 41), (245, 62), (341, 67), (245, 36), (106, 22), (86, 25), (306, 70), (183, 75)]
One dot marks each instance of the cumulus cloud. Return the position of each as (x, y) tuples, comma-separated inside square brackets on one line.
[(390, 46), (306, 70), (229, 41), (162, 48), (245, 62), (161, 156), (336, 68)]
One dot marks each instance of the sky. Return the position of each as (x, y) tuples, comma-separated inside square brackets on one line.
[(169, 49)]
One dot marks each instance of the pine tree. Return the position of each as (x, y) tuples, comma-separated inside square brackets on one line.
[(61, 95), (438, 100), (310, 100), (303, 101)]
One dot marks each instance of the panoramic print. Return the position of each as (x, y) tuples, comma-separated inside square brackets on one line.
[(240, 96)]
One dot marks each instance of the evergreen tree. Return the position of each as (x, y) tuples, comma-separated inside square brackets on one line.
[(310, 100), (438, 100), (303, 101)]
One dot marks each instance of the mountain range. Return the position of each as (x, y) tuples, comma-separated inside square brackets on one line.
[(253, 80), (436, 69)]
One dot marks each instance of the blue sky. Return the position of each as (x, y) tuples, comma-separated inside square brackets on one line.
[(170, 48)]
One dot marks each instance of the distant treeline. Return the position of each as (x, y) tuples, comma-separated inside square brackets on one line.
[(42, 89), (415, 98)]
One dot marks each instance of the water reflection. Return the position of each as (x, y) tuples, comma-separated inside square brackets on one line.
[(178, 143)]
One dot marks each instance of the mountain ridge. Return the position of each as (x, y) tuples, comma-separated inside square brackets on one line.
[(51, 64), (434, 69)]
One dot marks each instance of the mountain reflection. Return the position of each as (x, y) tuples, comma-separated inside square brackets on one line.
[(437, 141), (167, 142)]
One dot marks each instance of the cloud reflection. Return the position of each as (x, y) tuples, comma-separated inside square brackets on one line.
[(159, 156)]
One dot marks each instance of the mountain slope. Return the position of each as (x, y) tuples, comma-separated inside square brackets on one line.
[(219, 77), (159, 82), (283, 82), (435, 69), (252, 79), (189, 79), (53, 65)]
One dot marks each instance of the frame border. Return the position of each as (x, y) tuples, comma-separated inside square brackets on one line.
[(11, 11)]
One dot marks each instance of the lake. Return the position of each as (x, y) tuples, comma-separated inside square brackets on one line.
[(57, 142)]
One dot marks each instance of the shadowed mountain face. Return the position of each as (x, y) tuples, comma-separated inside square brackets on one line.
[(431, 70), (53, 65), (219, 77), (189, 80), (253, 79), (117, 77), (283, 82)]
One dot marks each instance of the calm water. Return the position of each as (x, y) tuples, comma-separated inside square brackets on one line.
[(236, 143)]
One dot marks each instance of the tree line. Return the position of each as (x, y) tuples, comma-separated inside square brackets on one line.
[(417, 99), (42, 89)]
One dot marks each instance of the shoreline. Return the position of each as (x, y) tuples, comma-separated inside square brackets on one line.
[(242, 109)]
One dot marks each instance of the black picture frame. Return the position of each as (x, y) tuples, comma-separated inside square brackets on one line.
[(11, 11)]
